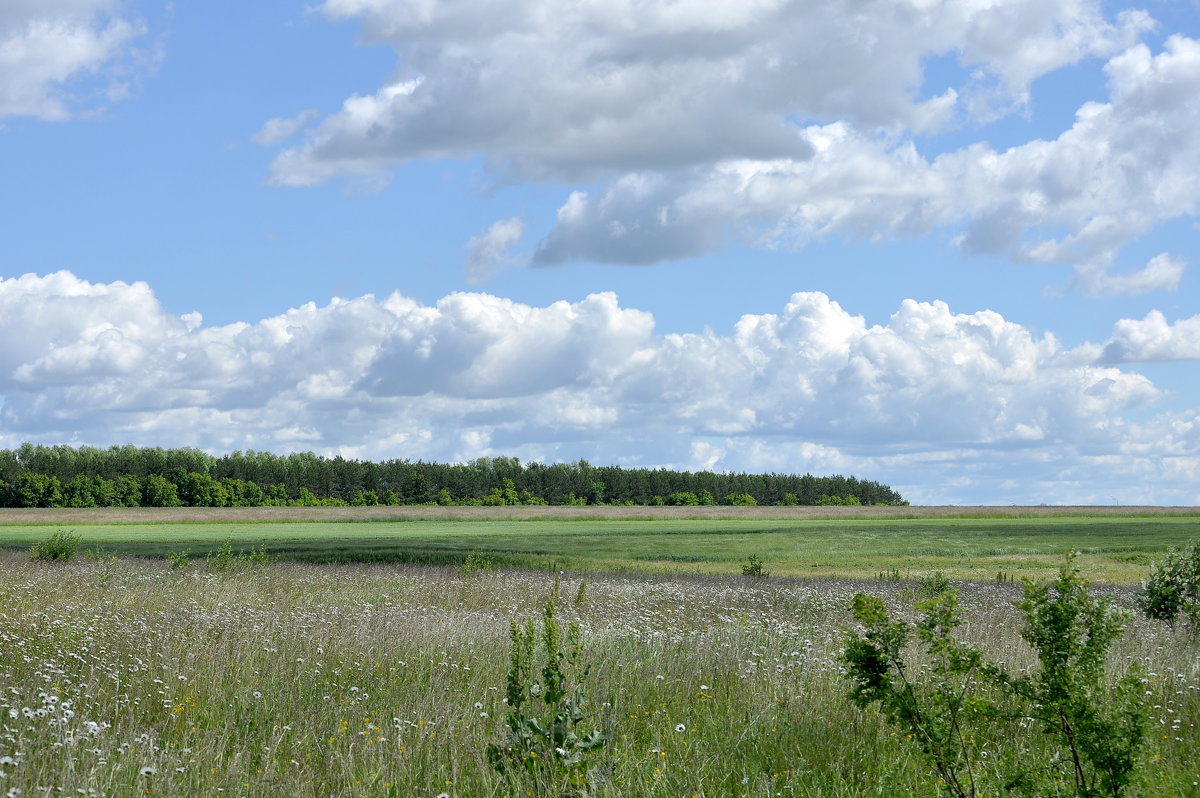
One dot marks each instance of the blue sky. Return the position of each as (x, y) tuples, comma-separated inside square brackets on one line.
[(944, 245)]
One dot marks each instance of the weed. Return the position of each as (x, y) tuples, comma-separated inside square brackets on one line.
[(476, 562), (179, 559), (225, 559), (550, 741)]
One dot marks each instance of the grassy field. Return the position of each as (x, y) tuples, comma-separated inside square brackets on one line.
[(1115, 547), (127, 677)]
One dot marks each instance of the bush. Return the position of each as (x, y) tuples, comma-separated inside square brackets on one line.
[(1173, 587), (59, 547), (754, 567), (957, 701)]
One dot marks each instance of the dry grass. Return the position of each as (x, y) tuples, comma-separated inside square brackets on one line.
[(120, 515)]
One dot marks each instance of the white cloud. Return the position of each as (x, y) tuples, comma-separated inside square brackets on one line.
[(1161, 273), (781, 122), (547, 89), (56, 56), (489, 250), (278, 129), (1123, 167), (946, 405), (1153, 340)]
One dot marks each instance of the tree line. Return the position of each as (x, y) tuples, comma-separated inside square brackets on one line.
[(129, 476)]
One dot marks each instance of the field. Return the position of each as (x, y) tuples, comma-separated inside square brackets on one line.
[(975, 544), (125, 676)]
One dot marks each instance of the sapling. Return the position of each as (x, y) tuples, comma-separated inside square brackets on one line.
[(962, 698)]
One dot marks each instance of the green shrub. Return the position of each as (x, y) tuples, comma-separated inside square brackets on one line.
[(959, 700), (754, 567), (1173, 587), (59, 547)]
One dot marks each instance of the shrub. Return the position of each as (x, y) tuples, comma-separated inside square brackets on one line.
[(59, 547), (754, 567), (1174, 586), (960, 699)]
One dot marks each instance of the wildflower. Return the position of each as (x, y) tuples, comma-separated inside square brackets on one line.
[(679, 727), (148, 771)]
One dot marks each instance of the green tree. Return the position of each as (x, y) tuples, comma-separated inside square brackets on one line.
[(158, 491), (36, 490)]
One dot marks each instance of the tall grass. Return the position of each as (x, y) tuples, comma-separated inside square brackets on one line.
[(362, 680)]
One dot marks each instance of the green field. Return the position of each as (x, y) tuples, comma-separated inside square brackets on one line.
[(1114, 548)]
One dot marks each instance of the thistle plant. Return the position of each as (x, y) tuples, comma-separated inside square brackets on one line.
[(546, 735), (225, 559)]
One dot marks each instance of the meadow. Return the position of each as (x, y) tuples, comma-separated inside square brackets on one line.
[(150, 675), (123, 677)]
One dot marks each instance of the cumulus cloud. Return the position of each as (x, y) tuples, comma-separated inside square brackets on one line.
[(813, 387), (1153, 340), (568, 90), (56, 56), (489, 250), (778, 122), (1121, 168)]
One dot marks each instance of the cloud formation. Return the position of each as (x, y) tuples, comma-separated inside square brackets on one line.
[(1120, 169), (489, 250), (567, 90), (1153, 340), (58, 56), (813, 387), (781, 122)]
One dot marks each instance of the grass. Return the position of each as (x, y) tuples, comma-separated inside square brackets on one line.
[(1114, 548), (133, 678)]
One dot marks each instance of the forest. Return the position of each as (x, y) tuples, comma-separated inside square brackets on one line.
[(130, 476)]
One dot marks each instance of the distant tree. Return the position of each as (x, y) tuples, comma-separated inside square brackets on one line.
[(364, 498), (158, 491), (36, 490)]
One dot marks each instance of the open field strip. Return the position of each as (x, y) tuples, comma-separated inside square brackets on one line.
[(127, 677), (1115, 548)]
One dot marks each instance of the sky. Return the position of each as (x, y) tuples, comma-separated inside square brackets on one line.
[(949, 245)]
